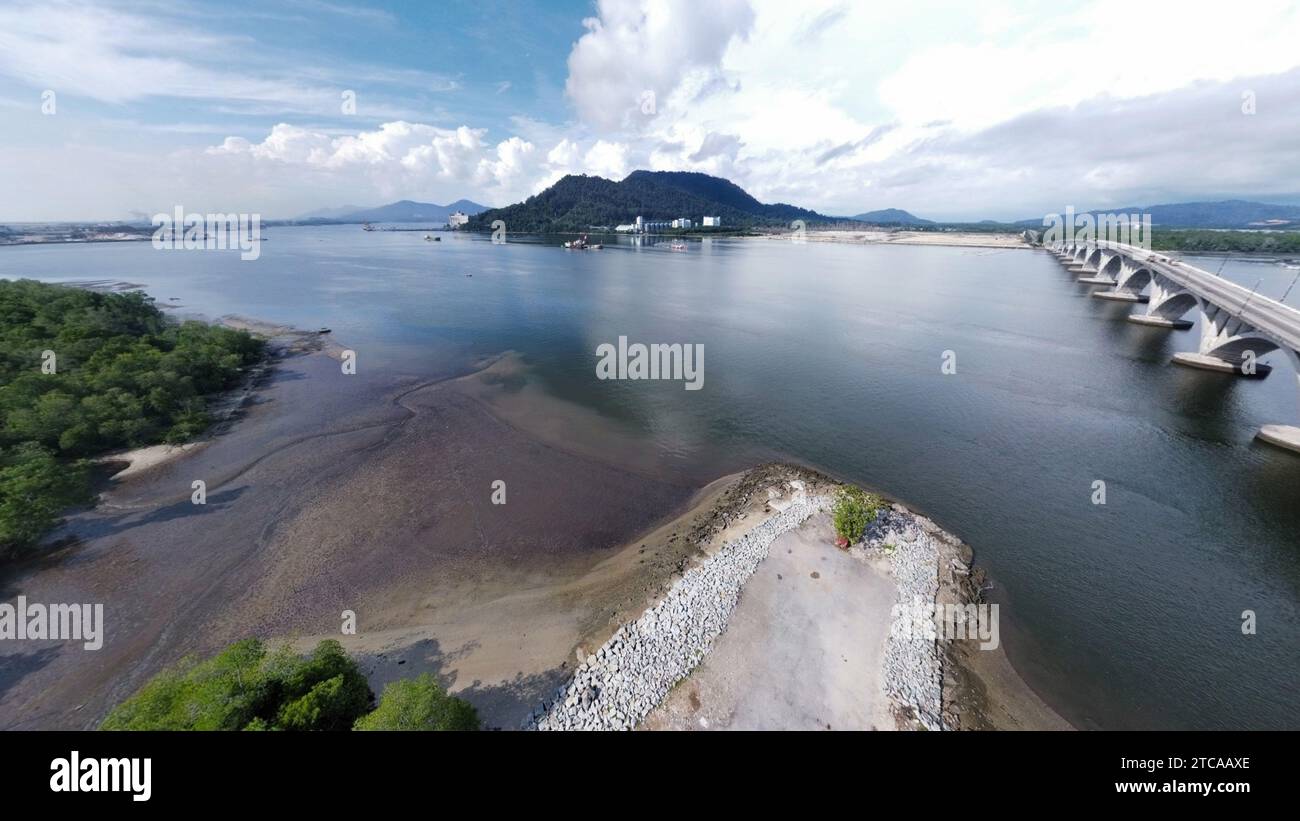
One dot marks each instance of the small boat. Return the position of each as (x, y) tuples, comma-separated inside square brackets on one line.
[(428, 238), (677, 246), (323, 331), (581, 244)]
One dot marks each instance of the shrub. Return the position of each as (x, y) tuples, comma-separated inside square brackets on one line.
[(245, 688), (854, 509), (419, 704)]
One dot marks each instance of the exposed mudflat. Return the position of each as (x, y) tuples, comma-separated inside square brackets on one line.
[(342, 492)]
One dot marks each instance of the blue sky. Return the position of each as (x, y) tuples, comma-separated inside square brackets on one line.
[(953, 111)]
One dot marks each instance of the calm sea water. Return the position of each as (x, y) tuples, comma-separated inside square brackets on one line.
[(1122, 615)]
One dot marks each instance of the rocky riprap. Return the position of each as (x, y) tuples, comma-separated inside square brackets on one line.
[(615, 687), (618, 685), (913, 666)]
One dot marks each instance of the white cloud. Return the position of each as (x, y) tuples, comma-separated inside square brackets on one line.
[(961, 111), (831, 105), (607, 159), (117, 56), (637, 46), (514, 160), (565, 154)]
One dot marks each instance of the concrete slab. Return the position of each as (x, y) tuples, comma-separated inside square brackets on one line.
[(1121, 296), (1096, 281), (1161, 322), (1284, 436), (1213, 363)]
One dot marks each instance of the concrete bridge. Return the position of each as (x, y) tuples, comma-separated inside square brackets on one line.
[(1238, 326)]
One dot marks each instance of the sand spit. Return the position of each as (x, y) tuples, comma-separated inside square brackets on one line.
[(971, 239)]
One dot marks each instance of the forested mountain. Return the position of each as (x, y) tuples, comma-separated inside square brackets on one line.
[(579, 202)]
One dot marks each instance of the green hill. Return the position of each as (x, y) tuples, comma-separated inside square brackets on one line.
[(579, 202)]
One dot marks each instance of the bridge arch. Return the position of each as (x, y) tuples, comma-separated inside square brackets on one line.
[(1133, 279), (1171, 306), (1110, 266)]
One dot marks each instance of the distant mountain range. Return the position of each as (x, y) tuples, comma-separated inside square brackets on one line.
[(1224, 214), (400, 211), (891, 216), (578, 202)]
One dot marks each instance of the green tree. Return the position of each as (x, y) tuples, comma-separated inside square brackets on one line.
[(124, 376), (419, 704), (246, 688), (34, 488)]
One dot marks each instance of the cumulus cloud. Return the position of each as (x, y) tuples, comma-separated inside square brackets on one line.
[(416, 160), (607, 159), (953, 112), (636, 48), (979, 113)]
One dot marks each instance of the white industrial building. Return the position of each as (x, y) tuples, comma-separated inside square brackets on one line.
[(713, 222)]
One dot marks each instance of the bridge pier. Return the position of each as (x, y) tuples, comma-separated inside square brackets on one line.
[(1160, 322), (1121, 296), (1130, 280), (1232, 339), (1228, 345), (1087, 261), (1283, 436), (1167, 305), (1109, 268)]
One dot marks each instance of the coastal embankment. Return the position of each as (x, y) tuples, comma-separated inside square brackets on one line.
[(750, 638)]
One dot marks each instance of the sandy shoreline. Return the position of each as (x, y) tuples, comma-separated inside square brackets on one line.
[(969, 239)]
